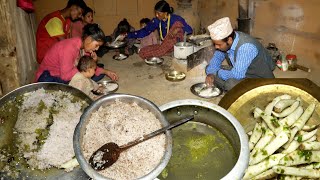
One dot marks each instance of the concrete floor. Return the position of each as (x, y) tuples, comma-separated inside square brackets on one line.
[(138, 78)]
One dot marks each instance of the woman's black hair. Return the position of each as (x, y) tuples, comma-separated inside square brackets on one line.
[(85, 63), (94, 31), (163, 6), (79, 3), (123, 27), (86, 11), (145, 21)]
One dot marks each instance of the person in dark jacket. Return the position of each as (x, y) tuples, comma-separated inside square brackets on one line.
[(246, 57)]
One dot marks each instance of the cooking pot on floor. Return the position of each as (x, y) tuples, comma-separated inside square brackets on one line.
[(182, 50)]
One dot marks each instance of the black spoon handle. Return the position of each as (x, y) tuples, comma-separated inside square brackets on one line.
[(155, 133)]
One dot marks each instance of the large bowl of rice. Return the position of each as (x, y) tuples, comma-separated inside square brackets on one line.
[(121, 118), (37, 122)]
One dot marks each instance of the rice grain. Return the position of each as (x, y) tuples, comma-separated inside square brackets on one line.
[(121, 123)]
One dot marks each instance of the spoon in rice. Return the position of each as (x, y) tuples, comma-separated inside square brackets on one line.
[(109, 153)]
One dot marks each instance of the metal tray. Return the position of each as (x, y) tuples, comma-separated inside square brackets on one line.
[(249, 93), (154, 61), (202, 86), (175, 76)]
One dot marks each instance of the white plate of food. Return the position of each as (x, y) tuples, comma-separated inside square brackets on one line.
[(202, 90), (109, 86)]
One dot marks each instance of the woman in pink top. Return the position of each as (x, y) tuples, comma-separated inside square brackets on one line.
[(59, 63), (87, 18)]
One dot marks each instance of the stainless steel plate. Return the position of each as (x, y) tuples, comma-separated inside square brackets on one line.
[(154, 61), (197, 88), (107, 84), (120, 57)]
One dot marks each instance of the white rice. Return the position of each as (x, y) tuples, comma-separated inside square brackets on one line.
[(58, 147), (121, 123), (59, 143), (111, 87), (208, 92)]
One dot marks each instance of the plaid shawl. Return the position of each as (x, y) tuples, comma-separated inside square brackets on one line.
[(166, 46)]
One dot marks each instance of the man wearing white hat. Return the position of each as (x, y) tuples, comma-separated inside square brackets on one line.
[(246, 57)]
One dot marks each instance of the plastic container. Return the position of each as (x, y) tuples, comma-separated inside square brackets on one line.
[(292, 62)]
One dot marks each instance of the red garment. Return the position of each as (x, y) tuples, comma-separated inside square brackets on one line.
[(26, 5), (62, 58), (44, 40), (149, 40), (77, 28), (166, 46)]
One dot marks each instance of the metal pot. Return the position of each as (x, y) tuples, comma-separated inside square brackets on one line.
[(6, 132), (106, 100), (183, 49), (217, 117)]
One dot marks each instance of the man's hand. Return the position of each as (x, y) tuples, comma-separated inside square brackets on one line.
[(111, 74), (209, 80)]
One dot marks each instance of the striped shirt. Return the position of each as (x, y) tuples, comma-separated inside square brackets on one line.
[(245, 55)]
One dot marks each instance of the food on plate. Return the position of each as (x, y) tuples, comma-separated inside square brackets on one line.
[(111, 87), (207, 91), (281, 143), (121, 123)]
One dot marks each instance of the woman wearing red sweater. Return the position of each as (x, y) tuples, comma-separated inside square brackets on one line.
[(59, 63)]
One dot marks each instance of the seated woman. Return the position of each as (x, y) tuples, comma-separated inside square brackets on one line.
[(77, 29), (77, 26), (123, 28), (170, 26), (82, 79), (59, 63)]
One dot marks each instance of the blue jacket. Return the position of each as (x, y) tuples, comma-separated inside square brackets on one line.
[(154, 24)]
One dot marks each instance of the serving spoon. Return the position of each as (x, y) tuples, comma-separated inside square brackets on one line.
[(109, 153)]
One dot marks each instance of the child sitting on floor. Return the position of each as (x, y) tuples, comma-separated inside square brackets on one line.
[(122, 28), (151, 39), (82, 80)]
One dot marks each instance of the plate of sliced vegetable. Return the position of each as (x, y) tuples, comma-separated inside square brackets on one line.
[(282, 122)]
